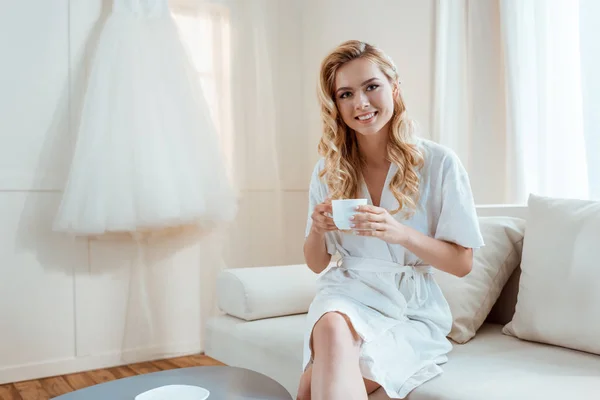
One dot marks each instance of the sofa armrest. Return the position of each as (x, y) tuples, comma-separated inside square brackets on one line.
[(263, 292)]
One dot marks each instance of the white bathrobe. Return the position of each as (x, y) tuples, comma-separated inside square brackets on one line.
[(389, 295)]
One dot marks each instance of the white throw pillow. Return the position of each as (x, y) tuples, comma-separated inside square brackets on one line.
[(559, 289), (264, 292), (472, 297)]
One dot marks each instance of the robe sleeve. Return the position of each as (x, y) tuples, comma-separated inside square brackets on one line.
[(317, 194), (457, 221)]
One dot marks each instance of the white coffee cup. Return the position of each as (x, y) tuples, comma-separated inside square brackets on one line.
[(343, 210)]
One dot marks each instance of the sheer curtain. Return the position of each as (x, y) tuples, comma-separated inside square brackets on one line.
[(258, 234), (171, 290), (469, 96), (589, 29), (452, 100), (531, 126), (545, 98), (170, 293)]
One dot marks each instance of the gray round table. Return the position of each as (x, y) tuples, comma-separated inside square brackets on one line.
[(224, 383)]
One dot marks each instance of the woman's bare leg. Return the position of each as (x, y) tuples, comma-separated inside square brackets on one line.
[(335, 372), (304, 387), (371, 386), (305, 380)]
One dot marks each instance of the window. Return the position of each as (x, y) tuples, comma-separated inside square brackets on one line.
[(205, 31), (552, 52), (589, 14)]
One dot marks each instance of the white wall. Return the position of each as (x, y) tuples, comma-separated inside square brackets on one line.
[(402, 28), (405, 29), (36, 268), (257, 239), (62, 302), (303, 32)]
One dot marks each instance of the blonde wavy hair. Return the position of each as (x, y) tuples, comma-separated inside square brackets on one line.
[(338, 144)]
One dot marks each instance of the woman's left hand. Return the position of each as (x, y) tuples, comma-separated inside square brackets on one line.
[(377, 222)]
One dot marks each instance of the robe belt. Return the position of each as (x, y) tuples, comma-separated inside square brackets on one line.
[(414, 276)]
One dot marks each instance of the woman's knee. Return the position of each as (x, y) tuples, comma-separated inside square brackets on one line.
[(304, 395), (304, 386), (334, 328)]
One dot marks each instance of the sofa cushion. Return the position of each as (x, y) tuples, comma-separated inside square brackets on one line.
[(559, 300), (504, 309), (264, 292), (494, 366), (472, 297), (271, 346), (490, 366)]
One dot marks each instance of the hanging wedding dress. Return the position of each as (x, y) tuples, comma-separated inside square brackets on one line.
[(147, 156), (147, 167)]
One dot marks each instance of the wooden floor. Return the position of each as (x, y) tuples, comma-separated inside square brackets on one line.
[(43, 389)]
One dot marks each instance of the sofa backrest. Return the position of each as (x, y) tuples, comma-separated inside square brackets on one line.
[(504, 309)]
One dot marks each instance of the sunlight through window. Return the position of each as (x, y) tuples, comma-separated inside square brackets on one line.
[(204, 29)]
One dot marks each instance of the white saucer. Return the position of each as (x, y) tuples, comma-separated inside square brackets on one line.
[(174, 392)]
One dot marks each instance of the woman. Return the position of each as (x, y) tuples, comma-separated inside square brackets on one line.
[(379, 318)]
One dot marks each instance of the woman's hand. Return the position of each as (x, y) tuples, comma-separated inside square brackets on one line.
[(445, 256), (377, 222), (321, 220)]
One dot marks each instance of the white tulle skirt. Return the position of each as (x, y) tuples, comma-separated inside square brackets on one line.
[(147, 155)]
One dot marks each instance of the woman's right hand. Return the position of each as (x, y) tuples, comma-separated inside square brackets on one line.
[(321, 220)]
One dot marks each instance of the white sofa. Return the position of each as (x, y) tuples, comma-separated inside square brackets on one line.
[(263, 324)]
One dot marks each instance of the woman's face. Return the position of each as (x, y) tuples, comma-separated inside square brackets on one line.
[(364, 96)]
